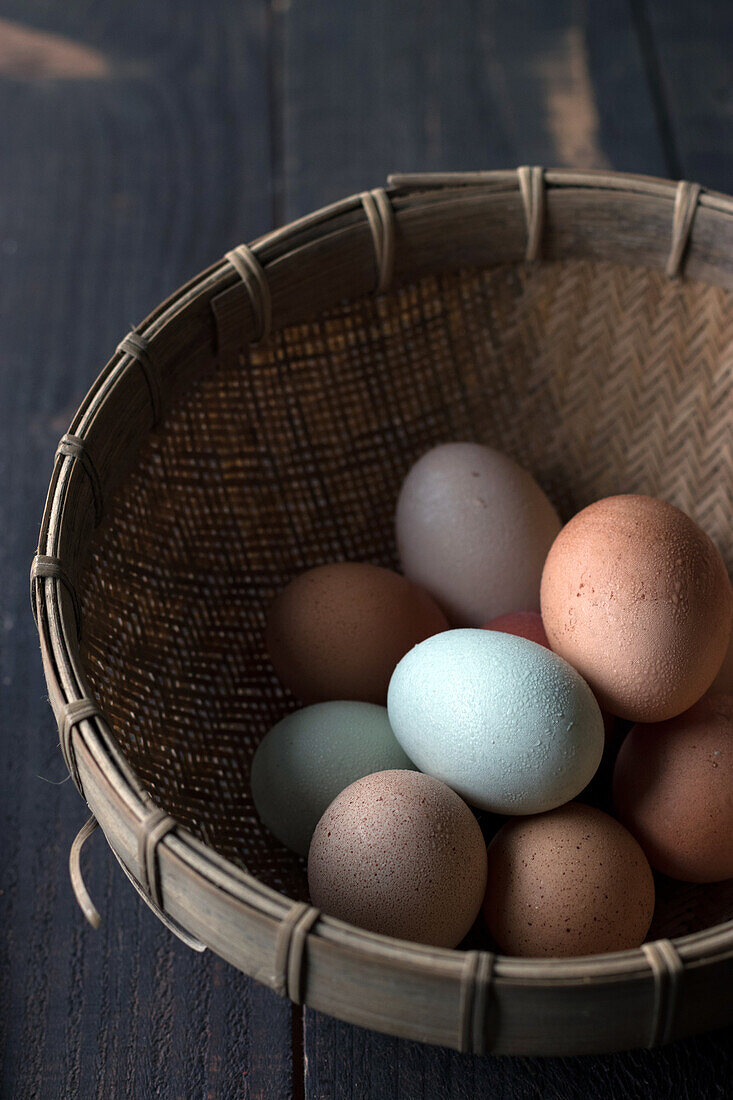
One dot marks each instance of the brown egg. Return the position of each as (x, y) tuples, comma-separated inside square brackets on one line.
[(636, 597), (337, 631), (724, 680), (569, 882), (673, 788), (401, 854)]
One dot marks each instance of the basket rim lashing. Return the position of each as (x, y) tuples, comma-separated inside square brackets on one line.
[(418, 225)]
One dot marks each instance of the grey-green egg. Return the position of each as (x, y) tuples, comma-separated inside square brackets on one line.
[(309, 757)]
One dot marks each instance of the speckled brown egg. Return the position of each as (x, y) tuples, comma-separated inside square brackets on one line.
[(338, 631), (569, 882), (673, 788), (636, 597), (401, 854)]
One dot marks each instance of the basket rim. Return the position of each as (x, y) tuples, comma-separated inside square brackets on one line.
[(98, 757)]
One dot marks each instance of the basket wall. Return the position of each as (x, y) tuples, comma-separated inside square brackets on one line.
[(598, 378)]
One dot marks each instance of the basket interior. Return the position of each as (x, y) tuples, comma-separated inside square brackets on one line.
[(597, 378)]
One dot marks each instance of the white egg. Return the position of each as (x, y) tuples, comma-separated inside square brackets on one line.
[(505, 722), (474, 529)]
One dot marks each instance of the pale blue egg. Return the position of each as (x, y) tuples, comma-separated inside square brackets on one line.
[(309, 757), (505, 722)]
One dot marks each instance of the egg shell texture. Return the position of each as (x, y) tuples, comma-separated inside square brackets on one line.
[(337, 631), (723, 682), (503, 721), (473, 528), (636, 597), (310, 756), (673, 789), (528, 624), (569, 882), (400, 854)]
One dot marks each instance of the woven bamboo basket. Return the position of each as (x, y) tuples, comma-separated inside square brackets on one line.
[(259, 422)]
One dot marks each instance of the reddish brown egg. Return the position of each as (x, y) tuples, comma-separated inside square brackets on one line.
[(338, 631), (636, 597), (673, 788), (399, 853), (525, 624), (569, 882)]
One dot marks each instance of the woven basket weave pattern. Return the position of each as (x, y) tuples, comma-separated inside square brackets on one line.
[(596, 377), (251, 426)]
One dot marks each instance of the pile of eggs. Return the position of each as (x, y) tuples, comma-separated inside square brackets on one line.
[(486, 681)]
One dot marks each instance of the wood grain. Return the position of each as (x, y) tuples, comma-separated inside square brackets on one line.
[(135, 152), (198, 132), (349, 1063), (690, 48), (426, 86)]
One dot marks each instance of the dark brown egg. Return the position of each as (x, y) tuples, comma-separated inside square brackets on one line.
[(636, 597), (723, 682), (569, 882), (673, 788), (338, 631), (401, 854)]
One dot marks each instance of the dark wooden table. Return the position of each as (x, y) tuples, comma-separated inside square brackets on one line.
[(139, 142)]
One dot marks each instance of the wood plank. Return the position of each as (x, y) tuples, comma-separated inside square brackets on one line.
[(689, 48), (136, 149), (349, 1063), (135, 152), (423, 85)]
